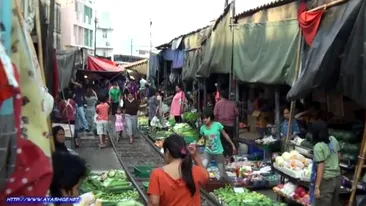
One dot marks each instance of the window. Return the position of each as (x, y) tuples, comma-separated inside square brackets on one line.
[(105, 34), (91, 38), (76, 30), (80, 35), (57, 18), (86, 37), (88, 14), (58, 41)]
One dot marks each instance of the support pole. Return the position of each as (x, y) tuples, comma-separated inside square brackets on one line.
[(293, 103), (359, 167), (277, 112)]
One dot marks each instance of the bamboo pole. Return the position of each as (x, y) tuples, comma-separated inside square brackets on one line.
[(293, 103), (361, 161), (326, 6)]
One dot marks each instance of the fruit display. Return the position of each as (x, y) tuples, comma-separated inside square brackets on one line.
[(110, 188), (294, 164), (228, 196), (296, 193)]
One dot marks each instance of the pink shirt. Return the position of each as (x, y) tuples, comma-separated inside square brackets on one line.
[(178, 99), (225, 112), (102, 111)]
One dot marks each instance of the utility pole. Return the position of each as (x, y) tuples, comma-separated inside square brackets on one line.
[(95, 34), (131, 47), (148, 69)]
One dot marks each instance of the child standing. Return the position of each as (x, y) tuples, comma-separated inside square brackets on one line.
[(102, 111), (118, 125), (212, 131)]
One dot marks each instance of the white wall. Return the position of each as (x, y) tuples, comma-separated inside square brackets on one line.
[(104, 35)]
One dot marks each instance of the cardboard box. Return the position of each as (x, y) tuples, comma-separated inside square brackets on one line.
[(262, 118)]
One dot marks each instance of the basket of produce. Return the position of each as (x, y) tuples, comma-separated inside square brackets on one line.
[(142, 171)]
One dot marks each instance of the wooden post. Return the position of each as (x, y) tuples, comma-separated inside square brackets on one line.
[(293, 103), (361, 161)]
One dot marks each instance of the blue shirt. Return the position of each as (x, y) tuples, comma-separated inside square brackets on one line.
[(79, 97), (295, 128)]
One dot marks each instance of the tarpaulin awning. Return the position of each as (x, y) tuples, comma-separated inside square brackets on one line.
[(66, 60), (192, 53), (320, 66), (217, 48), (352, 78), (153, 64), (191, 64), (102, 65), (139, 66), (266, 52)]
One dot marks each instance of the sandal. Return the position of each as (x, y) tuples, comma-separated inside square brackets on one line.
[(131, 141), (102, 146)]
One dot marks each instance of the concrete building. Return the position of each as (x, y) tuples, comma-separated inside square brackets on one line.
[(77, 28), (104, 35)]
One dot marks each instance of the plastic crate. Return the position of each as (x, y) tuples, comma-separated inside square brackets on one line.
[(142, 171), (252, 149)]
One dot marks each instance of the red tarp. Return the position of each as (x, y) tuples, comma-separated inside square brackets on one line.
[(309, 22), (102, 65)]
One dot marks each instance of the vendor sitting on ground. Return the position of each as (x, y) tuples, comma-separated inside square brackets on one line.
[(295, 130)]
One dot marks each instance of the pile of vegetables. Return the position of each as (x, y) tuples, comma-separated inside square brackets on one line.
[(228, 196), (143, 121), (110, 187), (191, 117), (186, 131)]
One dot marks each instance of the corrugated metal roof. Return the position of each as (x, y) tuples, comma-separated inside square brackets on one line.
[(183, 35), (132, 64), (238, 16), (265, 6)]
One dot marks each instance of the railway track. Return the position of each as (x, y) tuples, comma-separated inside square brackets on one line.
[(144, 152)]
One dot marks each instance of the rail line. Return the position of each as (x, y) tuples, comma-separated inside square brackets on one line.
[(144, 152)]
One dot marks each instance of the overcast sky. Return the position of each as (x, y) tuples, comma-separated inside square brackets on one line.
[(170, 18)]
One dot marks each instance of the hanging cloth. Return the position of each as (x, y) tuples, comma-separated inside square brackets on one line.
[(32, 173), (309, 22), (313, 175)]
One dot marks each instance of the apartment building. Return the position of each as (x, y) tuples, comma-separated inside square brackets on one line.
[(77, 30), (104, 35)]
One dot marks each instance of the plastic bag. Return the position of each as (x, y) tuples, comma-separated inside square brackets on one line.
[(121, 103), (164, 108), (155, 122)]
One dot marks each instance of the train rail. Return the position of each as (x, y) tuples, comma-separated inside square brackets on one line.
[(144, 152)]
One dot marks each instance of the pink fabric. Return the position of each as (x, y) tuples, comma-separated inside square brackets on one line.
[(102, 111), (118, 125), (225, 112), (175, 107)]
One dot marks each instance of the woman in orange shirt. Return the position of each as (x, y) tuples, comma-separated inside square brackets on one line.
[(178, 182)]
